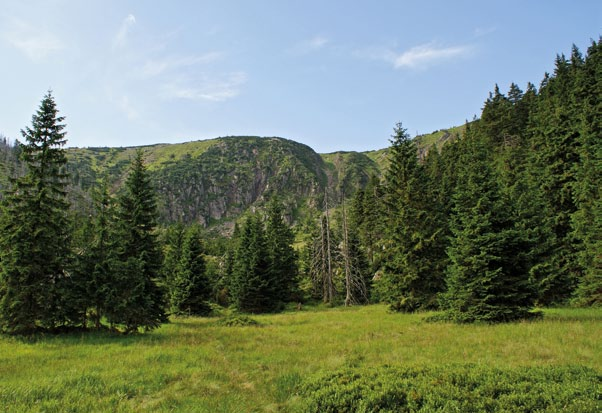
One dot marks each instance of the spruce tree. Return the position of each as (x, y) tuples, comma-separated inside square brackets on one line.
[(355, 264), (138, 300), (282, 256), (97, 260), (412, 275), (35, 253), (251, 286), (366, 217), (553, 157), (488, 277), (191, 289), (313, 258), (587, 219), (497, 115), (172, 239)]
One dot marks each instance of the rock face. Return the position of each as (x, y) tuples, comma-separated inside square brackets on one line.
[(214, 182), (235, 174)]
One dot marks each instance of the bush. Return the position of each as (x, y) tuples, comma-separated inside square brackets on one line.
[(230, 317), (454, 389), (236, 320)]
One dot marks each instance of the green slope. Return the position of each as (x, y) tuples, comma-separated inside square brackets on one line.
[(215, 181)]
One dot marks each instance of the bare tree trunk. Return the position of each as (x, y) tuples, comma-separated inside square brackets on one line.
[(346, 258), (328, 279), (323, 259)]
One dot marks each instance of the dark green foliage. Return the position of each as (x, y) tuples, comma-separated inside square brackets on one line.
[(251, 285), (264, 270), (488, 277), (587, 219), (137, 300), (96, 258), (238, 320), (230, 317), (311, 264), (10, 166), (412, 273), (35, 252), (454, 389), (190, 289), (172, 239), (552, 162), (366, 217), (282, 257)]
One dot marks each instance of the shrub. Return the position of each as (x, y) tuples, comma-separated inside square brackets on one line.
[(230, 317), (454, 389)]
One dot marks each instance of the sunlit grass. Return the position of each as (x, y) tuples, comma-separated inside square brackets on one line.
[(195, 365)]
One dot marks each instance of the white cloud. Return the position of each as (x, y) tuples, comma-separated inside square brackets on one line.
[(420, 57), (157, 67), (317, 42), (210, 89), (308, 46), (120, 38), (34, 42)]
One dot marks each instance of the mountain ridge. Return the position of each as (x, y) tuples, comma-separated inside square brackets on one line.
[(215, 181)]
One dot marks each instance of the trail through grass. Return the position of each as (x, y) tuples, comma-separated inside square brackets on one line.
[(195, 365)]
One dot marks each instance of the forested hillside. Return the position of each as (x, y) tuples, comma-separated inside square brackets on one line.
[(213, 182), (482, 223), (216, 181)]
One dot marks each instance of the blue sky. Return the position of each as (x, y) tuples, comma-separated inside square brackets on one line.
[(335, 75)]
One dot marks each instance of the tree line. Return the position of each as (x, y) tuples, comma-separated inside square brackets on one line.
[(504, 218)]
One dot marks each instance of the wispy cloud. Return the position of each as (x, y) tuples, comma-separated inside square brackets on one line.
[(418, 57), (317, 42), (215, 89), (121, 36), (423, 56), (310, 45), (157, 67), (34, 42)]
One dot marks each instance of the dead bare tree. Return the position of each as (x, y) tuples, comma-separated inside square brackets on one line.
[(355, 284), (328, 278)]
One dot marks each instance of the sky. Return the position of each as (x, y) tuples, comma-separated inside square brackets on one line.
[(332, 74)]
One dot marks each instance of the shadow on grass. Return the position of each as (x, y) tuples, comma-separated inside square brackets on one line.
[(81, 336)]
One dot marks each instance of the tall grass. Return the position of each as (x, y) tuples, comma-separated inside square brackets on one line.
[(195, 365)]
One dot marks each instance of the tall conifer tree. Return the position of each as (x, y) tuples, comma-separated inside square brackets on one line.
[(282, 255), (251, 286), (488, 276), (97, 260), (553, 157), (138, 301), (412, 275), (587, 219), (35, 231), (191, 289)]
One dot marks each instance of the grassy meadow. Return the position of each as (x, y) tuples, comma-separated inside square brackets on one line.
[(194, 365)]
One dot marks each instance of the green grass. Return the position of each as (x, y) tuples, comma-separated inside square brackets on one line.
[(195, 365), (164, 153), (435, 138), (156, 155)]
